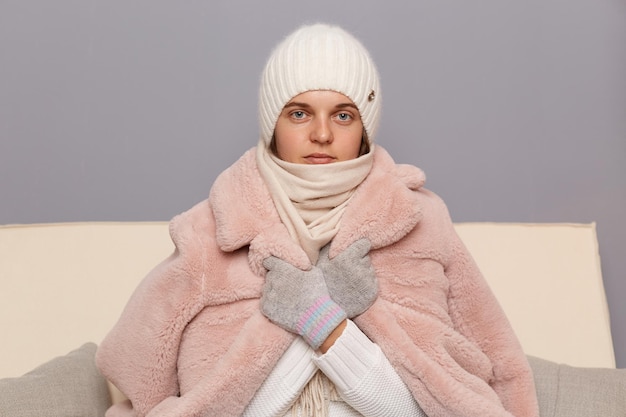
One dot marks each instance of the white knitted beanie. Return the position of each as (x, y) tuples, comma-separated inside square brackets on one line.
[(319, 57)]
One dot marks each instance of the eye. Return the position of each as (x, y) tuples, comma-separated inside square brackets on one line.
[(298, 114), (344, 117)]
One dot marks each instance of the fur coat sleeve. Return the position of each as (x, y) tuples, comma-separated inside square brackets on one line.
[(192, 340)]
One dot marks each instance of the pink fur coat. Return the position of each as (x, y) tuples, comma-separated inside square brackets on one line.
[(192, 340)]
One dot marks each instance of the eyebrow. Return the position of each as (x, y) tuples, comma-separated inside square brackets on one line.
[(308, 106)]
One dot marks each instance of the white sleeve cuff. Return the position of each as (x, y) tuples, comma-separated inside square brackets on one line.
[(285, 383), (296, 367), (365, 379), (350, 359)]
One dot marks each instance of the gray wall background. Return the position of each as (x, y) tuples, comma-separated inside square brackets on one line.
[(129, 109)]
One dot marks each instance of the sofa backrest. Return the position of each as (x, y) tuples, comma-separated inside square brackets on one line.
[(548, 279), (65, 284)]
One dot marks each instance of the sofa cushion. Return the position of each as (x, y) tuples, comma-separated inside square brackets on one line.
[(69, 385), (566, 391)]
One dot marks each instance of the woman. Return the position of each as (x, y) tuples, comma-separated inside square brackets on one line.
[(319, 277)]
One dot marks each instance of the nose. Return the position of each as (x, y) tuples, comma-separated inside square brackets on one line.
[(321, 131)]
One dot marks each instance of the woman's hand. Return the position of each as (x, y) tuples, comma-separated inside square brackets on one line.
[(350, 277), (298, 301)]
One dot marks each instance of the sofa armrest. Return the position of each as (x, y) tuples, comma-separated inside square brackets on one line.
[(566, 391)]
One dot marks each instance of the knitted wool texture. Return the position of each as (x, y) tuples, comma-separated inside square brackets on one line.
[(319, 57)]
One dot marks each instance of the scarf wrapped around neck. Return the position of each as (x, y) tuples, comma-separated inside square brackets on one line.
[(311, 199)]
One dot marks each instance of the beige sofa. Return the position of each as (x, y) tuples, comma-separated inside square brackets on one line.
[(64, 285)]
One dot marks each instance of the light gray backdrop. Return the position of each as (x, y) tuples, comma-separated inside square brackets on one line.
[(127, 110)]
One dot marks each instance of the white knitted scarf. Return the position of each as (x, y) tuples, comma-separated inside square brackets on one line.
[(311, 199)]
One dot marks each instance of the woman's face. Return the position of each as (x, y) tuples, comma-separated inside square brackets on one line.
[(318, 127)]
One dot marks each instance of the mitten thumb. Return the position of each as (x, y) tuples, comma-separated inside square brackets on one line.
[(359, 249)]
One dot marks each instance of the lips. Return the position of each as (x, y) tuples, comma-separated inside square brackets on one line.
[(319, 158)]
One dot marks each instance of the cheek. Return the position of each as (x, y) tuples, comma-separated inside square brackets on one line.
[(286, 142), (352, 144)]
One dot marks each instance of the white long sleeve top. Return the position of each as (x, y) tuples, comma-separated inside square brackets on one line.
[(363, 377)]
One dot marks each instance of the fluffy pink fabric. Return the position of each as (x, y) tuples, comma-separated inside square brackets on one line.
[(194, 327)]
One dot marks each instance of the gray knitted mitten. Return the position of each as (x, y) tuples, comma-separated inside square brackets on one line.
[(298, 301), (350, 277)]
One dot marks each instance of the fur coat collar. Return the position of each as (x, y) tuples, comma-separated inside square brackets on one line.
[(383, 209)]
